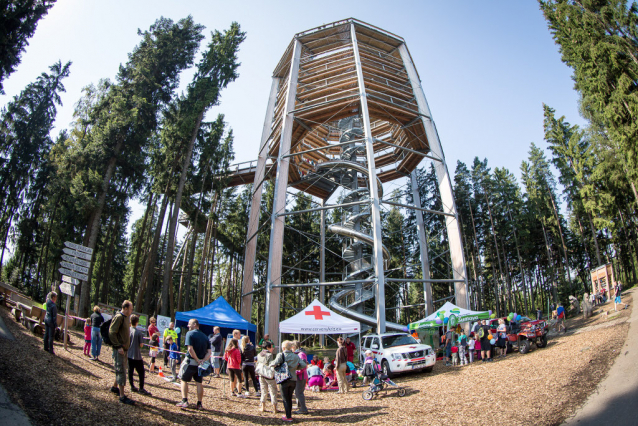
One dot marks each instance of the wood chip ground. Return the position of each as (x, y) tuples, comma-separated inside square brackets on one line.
[(542, 387)]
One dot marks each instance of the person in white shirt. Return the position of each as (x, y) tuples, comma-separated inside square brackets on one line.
[(470, 347)]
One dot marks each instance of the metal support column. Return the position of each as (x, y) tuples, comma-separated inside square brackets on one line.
[(322, 262), (375, 216), (275, 252), (423, 246), (445, 183), (255, 204)]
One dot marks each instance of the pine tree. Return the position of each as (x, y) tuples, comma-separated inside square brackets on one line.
[(18, 22)]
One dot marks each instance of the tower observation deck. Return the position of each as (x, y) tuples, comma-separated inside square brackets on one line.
[(347, 112)]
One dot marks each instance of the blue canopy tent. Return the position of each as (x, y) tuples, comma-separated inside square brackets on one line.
[(220, 314)]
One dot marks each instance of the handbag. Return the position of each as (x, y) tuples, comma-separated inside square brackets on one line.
[(205, 369), (265, 371), (282, 372)]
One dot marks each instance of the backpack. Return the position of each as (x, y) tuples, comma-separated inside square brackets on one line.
[(265, 371), (368, 369), (282, 372), (104, 332), (463, 342), (481, 333)]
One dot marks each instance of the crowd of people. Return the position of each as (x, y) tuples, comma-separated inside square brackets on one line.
[(244, 363)]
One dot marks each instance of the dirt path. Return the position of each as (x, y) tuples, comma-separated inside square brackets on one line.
[(544, 386), (615, 397)]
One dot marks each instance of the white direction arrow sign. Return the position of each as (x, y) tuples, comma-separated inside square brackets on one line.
[(74, 267), (67, 288), (76, 261), (73, 274), (70, 280), (77, 254), (78, 247)]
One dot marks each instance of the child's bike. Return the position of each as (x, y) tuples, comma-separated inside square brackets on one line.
[(381, 383)]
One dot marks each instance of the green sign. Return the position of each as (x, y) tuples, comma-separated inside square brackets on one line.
[(453, 321)]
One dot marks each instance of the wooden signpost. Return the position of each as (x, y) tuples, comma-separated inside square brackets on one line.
[(74, 267)]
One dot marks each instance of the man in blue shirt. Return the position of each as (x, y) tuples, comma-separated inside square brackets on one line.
[(198, 352), (561, 317)]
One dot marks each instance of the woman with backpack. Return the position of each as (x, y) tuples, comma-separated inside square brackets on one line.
[(287, 387), (266, 380), (248, 355), (50, 321)]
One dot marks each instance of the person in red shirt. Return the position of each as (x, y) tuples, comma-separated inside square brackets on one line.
[(350, 348), (152, 329), (233, 359)]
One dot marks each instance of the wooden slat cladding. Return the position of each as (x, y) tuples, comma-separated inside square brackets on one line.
[(328, 91)]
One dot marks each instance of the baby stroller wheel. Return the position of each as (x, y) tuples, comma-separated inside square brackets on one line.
[(367, 395), (401, 391)]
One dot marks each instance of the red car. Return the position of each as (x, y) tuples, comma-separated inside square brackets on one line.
[(527, 331)]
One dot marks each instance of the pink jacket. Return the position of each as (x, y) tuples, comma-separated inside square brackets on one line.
[(301, 373), (87, 330)]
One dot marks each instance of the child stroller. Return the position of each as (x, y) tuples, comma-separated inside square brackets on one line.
[(379, 382)]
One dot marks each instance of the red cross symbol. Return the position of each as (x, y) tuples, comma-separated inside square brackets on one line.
[(317, 312)]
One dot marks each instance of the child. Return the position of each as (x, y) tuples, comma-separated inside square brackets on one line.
[(154, 347), (315, 378), (370, 368), (232, 356), (87, 337), (462, 347), (351, 377), (329, 374), (173, 357), (455, 355), (470, 345)]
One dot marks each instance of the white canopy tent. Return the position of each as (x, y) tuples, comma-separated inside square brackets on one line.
[(317, 319)]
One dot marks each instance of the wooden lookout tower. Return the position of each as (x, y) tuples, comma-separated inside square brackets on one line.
[(347, 110)]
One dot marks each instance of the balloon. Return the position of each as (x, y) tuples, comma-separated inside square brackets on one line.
[(493, 341), (490, 312), (515, 315), (441, 315), (438, 321), (518, 317), (493, 316), (405, 328), (490, 337), (445, 320)]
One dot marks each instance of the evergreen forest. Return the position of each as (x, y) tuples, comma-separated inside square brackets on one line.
[(527, 242)]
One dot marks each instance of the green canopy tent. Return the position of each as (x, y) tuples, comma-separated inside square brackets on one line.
[(453, 313)]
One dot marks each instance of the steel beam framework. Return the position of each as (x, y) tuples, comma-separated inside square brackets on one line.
[(330, 73)]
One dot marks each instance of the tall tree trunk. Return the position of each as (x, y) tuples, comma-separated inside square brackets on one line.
[(94, 227), (149, 268), (203, 265), (189, 271), (182, 281), (168, 272), (551, 266), (150, 210), (562, 240), (164, 262)]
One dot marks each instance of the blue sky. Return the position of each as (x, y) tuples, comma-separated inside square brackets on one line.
[(486, 67)]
